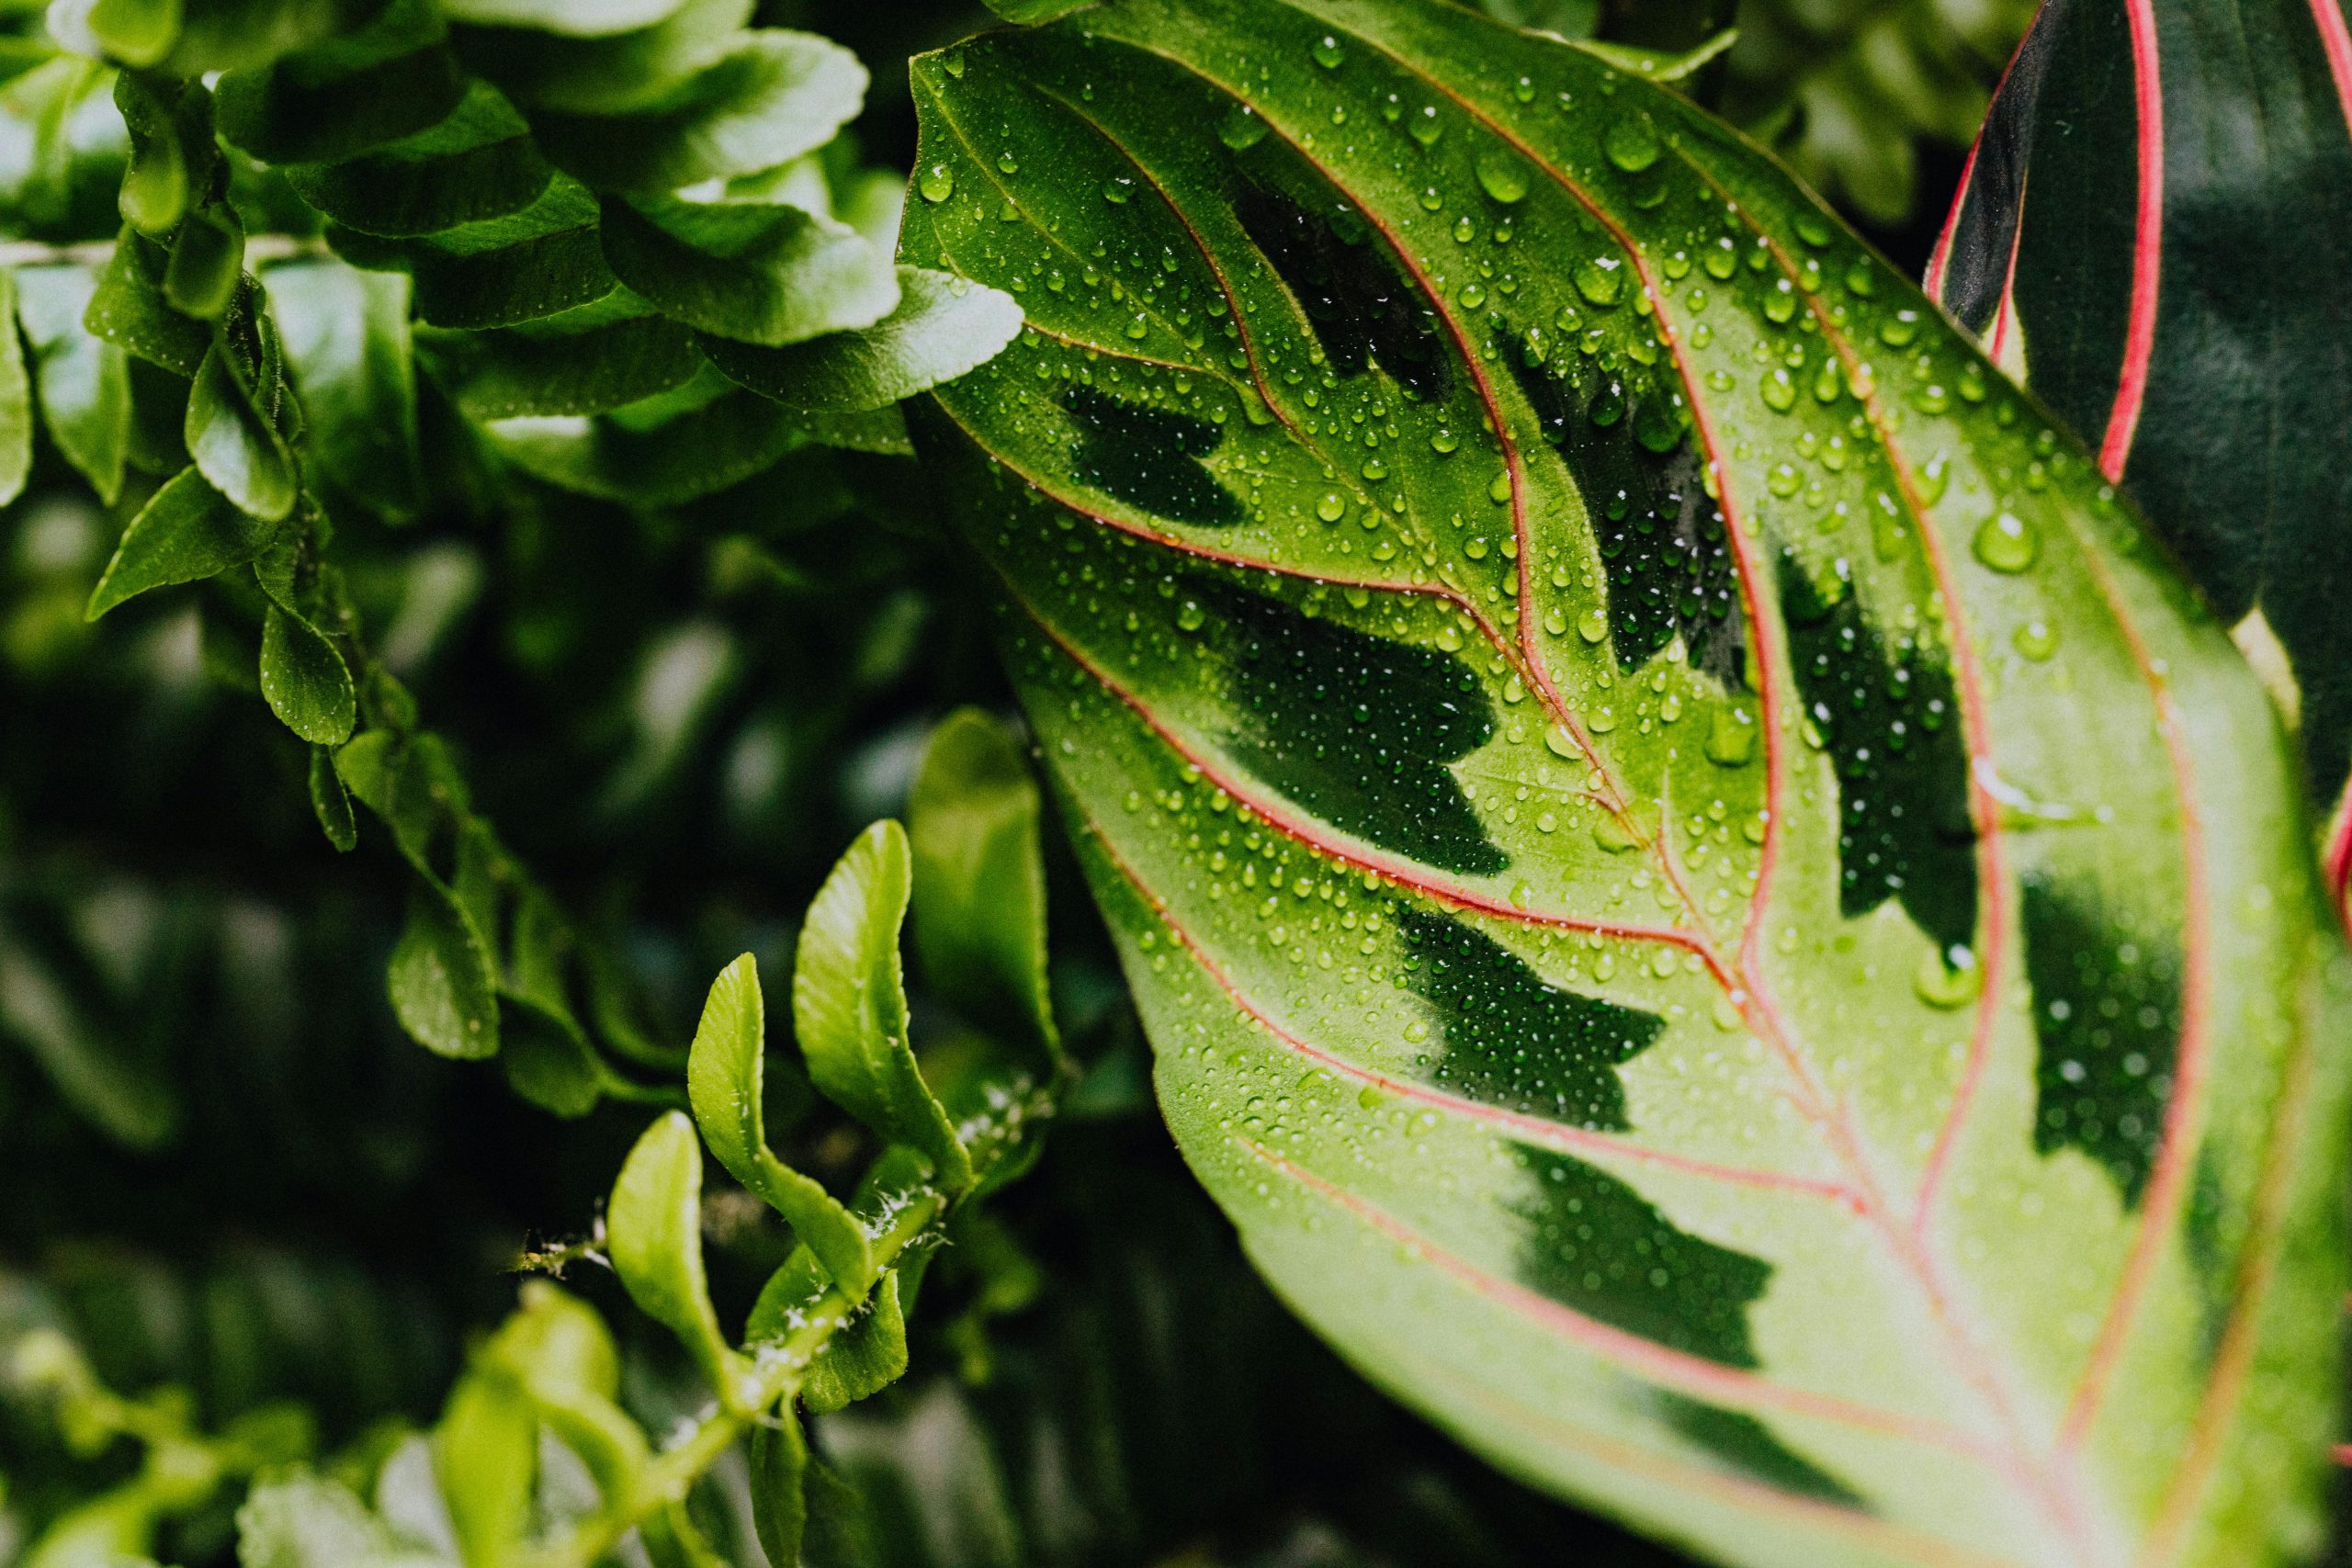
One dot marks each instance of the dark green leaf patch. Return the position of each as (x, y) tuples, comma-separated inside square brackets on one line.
[(1597, 1247), (1512, 1040), (1889, 720), (1150, 457), (1746, 1445), (1356, 728), (1363, 311), (2107, 1004), (1626, 441)]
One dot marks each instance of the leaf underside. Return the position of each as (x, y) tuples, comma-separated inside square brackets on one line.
[(1719, 922), (2136, 164)]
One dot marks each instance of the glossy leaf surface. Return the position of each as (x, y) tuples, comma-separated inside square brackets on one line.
[(2105, 244), (1719, 922), (725, 1077), (849, 1002)]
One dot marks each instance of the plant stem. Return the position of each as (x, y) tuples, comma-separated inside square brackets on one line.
[(776, 1376)]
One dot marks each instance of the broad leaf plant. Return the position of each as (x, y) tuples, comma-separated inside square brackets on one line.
[(1709, 890), (1714, 911)]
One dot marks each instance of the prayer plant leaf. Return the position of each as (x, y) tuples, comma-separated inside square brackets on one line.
[(849, 1003), (725, 1079), (979, 881), (1716, 915), (654, 1233), (2133, 160)]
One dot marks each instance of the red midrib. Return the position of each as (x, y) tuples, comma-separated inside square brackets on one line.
[(2147, 242)]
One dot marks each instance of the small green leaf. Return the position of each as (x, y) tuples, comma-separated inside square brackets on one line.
[(724, 1082), (477, 164), (485, 1455), (849, 1003), (187, 531), (305, 680), (864, 1359), (49, 165), (576, 19), (549, 1062), (557, 1349), (979, 881), (941, 327), (332, 803), (672, 1539), (607, 353), (758, 273), (443, 986), (540, 261), (612, 72), (346, 98), (172, 151), (1030, 12), (83, 383), (1661, 64), (771, 97), (301, 1520), (235, 445), (692, 441), (779, 1466), (345, 335), (654, 1233), (135, 32), (129, 308), (208, 257), (16, 397), (409, 781)]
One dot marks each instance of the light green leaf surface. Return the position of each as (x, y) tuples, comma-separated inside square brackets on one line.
[(330, 803), (725, 1079), (540, 260), (611, 351), (609, 73), (83, 382), (477, 163), (233, 438), (773, 96), (1719, 920), (16, 397), (345, 336), (979, 881), (186, 531), (579, 18), (653, 1231), (693, 441), (849, 1002), (301, 1520), (778, 1458), (759, 274), (442, 979), (129, 308), (305, 680), (941, 327)]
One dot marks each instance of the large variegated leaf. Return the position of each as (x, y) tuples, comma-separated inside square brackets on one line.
[(1717, 919), (2110, 244)]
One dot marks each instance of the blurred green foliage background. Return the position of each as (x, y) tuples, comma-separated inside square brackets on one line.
[(225, 1167)]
